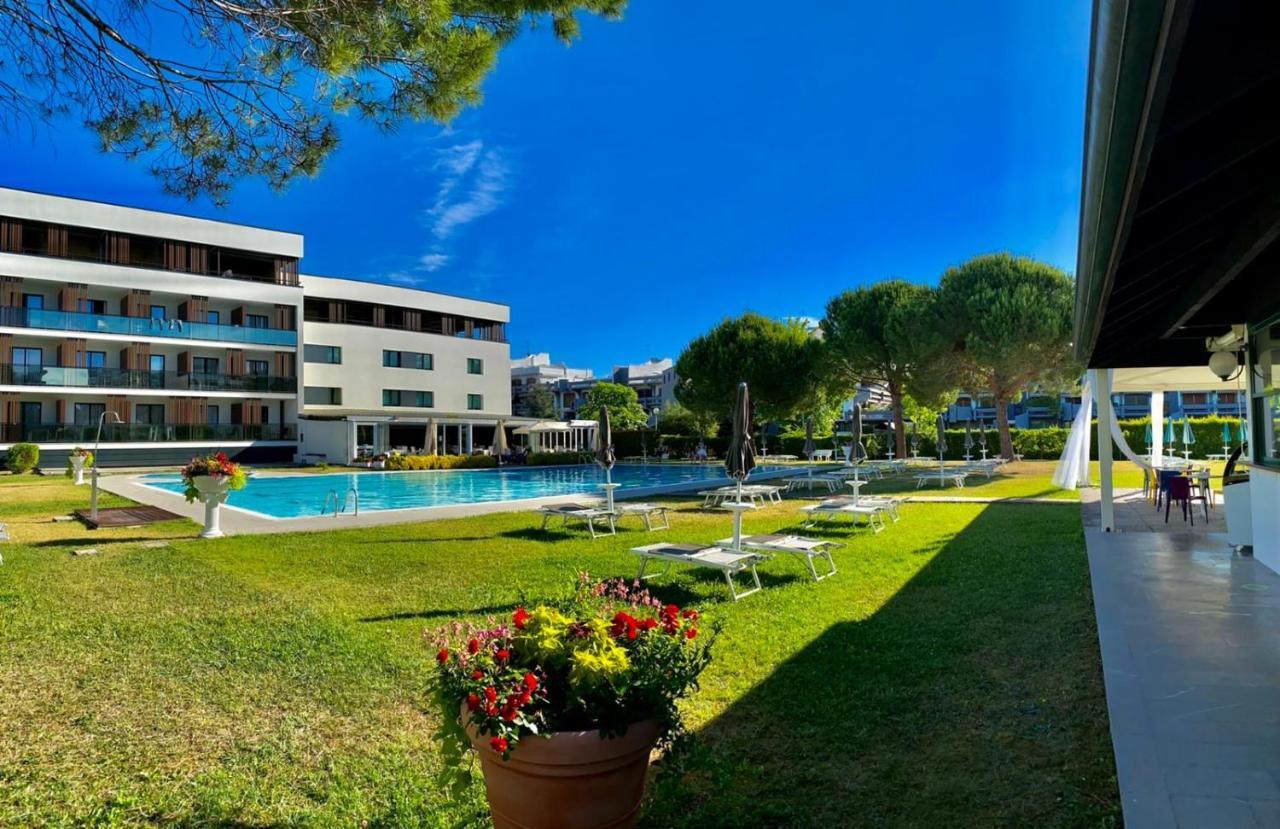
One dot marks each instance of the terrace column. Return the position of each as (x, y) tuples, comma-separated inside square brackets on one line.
[(1102, 384), (1157, 427)]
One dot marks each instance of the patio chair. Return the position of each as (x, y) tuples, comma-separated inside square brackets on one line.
[(889, 503), (808, 548), (1179, 489), (588, 514), (727, 562)]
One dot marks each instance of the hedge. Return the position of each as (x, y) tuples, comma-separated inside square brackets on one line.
[(401, 462)]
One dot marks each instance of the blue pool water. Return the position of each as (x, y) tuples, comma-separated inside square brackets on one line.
[(300, 496)]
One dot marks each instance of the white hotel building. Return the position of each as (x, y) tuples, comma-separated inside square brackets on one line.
[(184, 335)]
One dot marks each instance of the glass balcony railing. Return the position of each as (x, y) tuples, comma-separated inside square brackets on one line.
[(84, 434), (118, 378), (143, 327)]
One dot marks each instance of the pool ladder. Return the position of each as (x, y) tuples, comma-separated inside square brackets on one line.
[(340, 506)]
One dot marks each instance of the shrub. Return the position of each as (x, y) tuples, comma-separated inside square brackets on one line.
[(556, 458), (23, 457), (419, 462)]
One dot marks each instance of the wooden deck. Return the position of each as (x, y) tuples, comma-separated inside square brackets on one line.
[(126, 517)]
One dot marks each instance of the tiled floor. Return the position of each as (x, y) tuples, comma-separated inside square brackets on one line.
[(1190, 638)]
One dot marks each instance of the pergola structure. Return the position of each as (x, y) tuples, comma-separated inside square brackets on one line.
[(1180, 216), (559, 436)]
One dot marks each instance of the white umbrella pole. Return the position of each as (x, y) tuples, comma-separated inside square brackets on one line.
[(608, 480)]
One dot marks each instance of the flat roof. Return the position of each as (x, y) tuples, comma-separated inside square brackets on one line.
[(335, 287), (65, 210)]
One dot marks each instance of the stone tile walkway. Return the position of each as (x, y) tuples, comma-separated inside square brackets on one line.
[(1190, 640)]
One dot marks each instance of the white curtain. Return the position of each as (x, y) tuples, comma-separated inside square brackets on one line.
[(1073, 466)]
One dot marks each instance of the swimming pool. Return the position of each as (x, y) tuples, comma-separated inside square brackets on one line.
[(302, 496)]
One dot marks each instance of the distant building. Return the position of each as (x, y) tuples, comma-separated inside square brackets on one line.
[(567, 384), (654, 381), (1039, 410)]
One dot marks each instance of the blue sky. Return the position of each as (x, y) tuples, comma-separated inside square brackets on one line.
[(693, 161)]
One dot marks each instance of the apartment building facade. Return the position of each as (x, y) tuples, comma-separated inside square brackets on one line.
[(168, 336)]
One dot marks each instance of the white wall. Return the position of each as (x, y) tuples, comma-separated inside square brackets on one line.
[(362, 377), (1264, 492), (331, 438)]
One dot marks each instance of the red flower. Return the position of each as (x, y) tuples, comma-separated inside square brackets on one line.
[(499, 744), (671, 611), (690, 633), (503, 654), (491, 710), (520, 617), (473, 702), (531, 682), (624, 623), (509, 714), (443, 656), (649, 624), (491, 693), (691, 615), (473, 646), (477, 675), (526, 698)]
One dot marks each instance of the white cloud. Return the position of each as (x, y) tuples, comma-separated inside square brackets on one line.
[(474, 184), (402, 278), (432, 262)]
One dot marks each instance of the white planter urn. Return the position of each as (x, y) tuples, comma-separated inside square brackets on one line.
[(213, 491), (77, 466)]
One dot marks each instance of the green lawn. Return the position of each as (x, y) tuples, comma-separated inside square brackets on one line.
[(948, 675)]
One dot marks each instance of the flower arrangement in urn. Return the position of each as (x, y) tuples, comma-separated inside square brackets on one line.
[(78, 460), (224, 471), (589, 683)]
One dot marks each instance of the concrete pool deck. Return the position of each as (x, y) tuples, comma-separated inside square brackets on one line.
[(236, 521)]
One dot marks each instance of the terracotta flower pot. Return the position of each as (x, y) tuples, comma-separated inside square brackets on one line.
[(570, 780)]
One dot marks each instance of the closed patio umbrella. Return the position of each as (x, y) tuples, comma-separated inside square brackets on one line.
[(968, 440), (1226, 435), (429, 448), (915, 439), (500, 439), (1147, 436), (809, 446), (1168, 432), (1244, 433), (1188, 438), (604, 452), (942, 441), (740, 458), (857, 452)]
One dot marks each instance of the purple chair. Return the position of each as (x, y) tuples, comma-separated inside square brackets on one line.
[(1179, 489)]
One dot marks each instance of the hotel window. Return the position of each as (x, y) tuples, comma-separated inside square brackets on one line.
[(33, 302), (204, 365), (408, 359), (158, 312), (1227, 397), (150, 413), (94, 359), (322, 396), (475, 402), (255, 321), (330, 354), (213, 415), (475, 365), (88, 414), (406, 397), (1264, 388), (92, 306), (213, 317), (1195, 398), (256, 368), (27, 365), (156, 362)]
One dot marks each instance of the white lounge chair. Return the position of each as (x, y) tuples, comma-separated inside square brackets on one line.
[(588, 514), (889, 503), (955, 476), (809, 548), (761, 493), (647, 513), (827, 482), (834, 510), (727, 562)]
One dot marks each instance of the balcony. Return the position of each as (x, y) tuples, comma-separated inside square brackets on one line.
[(85, 434), (76, 322), (118, 378)]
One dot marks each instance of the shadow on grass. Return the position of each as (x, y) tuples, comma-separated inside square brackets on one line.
[(453, 613), (559, 533), (972, 697)]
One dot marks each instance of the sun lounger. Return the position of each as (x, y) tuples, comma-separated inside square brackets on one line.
[(834, 510), (728, 562), (589, 514), (955, 476), (809, 548), (889, 503), (647, 513), (761, 493), (827, 482)]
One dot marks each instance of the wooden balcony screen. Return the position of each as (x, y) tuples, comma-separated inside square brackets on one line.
[(10, 235), (11, 291)]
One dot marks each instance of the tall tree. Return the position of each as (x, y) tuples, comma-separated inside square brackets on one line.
[(211, 92), (625, 411), (780, 360), (681, 420), (1009, 321), (538, 401), (881, 333)]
